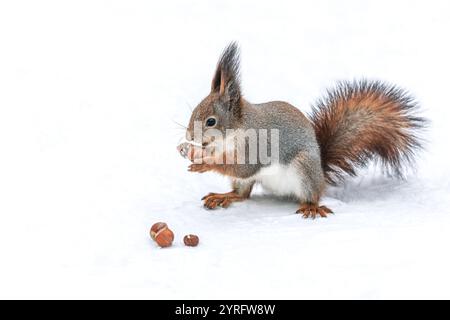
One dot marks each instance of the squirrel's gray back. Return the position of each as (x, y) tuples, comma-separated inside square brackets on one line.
[(296, 133)]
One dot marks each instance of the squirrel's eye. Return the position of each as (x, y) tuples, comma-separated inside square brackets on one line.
[(211, 122)]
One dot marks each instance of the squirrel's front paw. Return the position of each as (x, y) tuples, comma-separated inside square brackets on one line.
[(200, 168), (214, 200), (313, 210)]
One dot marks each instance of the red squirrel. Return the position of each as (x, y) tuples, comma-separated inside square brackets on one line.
[(356, 122)]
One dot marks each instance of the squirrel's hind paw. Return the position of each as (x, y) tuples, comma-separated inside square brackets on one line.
[(313, 210)]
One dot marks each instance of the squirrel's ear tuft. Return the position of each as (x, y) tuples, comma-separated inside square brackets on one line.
[(226, 79)]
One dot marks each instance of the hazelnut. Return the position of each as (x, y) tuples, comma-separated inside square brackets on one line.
[(191, 240), (164, 237), (184, 149), (156, 228), (190, 151)]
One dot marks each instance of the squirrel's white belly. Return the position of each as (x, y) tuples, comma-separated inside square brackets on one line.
[(282, 180)]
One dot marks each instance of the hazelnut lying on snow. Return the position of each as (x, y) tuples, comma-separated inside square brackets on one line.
[(191, 240), (157, 227), (164, 238), (161, 233)]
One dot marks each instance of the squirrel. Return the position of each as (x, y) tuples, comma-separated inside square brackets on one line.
[(356, 122)]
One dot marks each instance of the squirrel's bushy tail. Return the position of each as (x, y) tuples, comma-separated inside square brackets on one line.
[(363, 120)]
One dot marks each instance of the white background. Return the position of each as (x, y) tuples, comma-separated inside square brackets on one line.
[(89, 95)]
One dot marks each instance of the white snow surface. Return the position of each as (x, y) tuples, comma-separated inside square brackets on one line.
[(89, 95)]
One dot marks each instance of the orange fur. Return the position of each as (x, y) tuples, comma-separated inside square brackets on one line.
[(361, 120)]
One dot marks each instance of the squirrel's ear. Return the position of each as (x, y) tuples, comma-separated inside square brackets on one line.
[(226, 80)]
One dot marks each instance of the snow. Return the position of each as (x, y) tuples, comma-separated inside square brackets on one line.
[(89, 95)]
